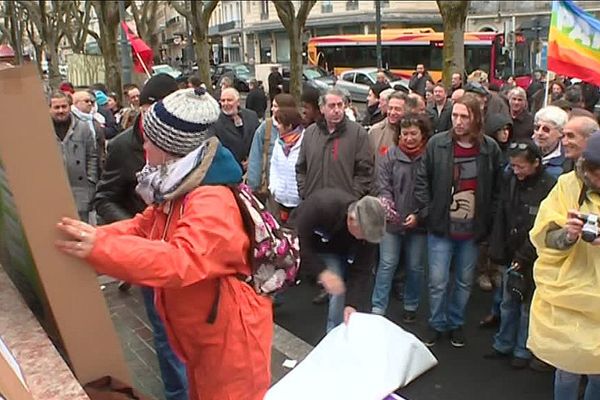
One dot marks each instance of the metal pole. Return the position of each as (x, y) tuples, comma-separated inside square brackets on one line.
[(514, 44), (378, 30), (242, 36), (126, 61)]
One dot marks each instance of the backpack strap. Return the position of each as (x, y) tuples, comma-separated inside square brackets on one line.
[(264, 173), (214, 309)]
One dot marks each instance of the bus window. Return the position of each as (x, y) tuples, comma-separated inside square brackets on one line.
[(477, 57), (407, 57)]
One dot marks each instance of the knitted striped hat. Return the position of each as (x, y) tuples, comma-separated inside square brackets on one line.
[(178, 123)]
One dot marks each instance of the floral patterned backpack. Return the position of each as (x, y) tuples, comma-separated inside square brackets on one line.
[(274, 250)]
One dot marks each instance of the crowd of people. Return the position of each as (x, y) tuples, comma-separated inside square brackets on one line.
[(457, 185)]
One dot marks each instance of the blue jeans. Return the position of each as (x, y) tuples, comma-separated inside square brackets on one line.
[(447, 302), (338, 265), (566, 386), (389, 257), (498, 294), (511, 337), (172, 370)]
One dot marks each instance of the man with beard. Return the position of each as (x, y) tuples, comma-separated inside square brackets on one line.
[(236, 126)]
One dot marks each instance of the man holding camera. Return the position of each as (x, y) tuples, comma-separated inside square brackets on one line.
[(565, 310)]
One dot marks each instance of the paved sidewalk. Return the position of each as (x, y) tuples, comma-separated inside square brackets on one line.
[(129, 316)]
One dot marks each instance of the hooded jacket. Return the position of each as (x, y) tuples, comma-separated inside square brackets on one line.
[(493, 124), (342, 159), (191, 248)]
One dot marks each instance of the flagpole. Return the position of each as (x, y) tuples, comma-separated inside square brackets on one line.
[(546, 88), (142, 62)]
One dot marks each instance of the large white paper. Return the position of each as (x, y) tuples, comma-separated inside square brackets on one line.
[(365, 360)]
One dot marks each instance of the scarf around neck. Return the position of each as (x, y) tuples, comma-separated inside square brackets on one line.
[(415, 152), (289, 140)]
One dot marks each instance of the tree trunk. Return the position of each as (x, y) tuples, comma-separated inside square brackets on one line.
[(295, 37), (202, 48), (454, 15), (108, 18), (54, 77)]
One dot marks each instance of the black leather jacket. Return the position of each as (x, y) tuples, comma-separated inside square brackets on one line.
[(116, 198)]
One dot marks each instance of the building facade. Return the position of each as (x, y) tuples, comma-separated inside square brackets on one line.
[(266, 40)]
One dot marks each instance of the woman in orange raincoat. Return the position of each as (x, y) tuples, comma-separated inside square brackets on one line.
[(191, 246)]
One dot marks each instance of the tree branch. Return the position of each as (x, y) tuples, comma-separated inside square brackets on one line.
[(285, 12), (180, 8), (208, 9), (305, 9)]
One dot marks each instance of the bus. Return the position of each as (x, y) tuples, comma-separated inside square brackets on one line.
[(403, 49)]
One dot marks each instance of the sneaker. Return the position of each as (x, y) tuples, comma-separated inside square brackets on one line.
[(409, 316), (321, 298), (457, 338), (519, 363), (485, 283), (538, 365), (431, 337), (489, 321)]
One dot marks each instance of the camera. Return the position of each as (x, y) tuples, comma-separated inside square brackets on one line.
[(589, 232)]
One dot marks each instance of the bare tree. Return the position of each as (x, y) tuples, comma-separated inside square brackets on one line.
[(454, 16), (199, 16), (109, 22), (79, 14), (294, 25), (146, 18), (48, 18)]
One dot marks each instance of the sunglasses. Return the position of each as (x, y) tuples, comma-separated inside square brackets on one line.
[(544, 128), (520, 146)]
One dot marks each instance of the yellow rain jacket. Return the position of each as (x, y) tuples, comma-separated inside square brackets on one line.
[(564, 327)]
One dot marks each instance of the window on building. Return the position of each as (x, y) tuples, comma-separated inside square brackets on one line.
[(326, 6), (264, 10), (352, 5)]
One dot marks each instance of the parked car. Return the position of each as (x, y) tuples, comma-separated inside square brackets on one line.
[(358, 82), (165, 69), (241, 73), (312, 76)]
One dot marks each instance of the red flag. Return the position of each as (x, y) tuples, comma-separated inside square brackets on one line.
[(140, 51)]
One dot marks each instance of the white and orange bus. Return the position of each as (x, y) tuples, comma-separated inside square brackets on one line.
[(403, 49)]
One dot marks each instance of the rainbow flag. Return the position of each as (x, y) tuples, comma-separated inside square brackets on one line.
[(574, 42)]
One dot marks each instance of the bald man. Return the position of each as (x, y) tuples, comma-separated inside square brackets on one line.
[(457, 94), (576, 133), (236, 126)]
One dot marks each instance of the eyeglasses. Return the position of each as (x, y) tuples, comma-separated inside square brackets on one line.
[(544, 128), (89, 101), (520, 146)]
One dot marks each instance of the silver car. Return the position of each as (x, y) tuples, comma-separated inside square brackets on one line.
[(357, 82)]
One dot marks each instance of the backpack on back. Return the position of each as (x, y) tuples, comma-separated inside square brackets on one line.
[(274, 251)]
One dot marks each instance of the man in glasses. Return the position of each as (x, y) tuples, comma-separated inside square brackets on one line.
[(78, 148), (547, 133)]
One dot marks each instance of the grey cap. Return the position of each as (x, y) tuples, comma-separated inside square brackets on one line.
[(371, 218)]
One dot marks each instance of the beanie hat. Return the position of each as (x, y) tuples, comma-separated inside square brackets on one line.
[(179, 123), (66, 87), (101, 98), (591, 152), (371, 217), (157, 88)]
